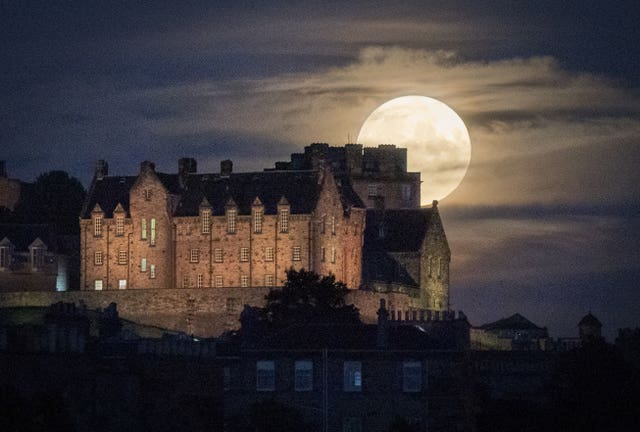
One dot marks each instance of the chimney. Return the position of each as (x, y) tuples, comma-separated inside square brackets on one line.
[(383, 317), (102, 169), (146, 167), (3, 169), (226, 168), (187, 166)]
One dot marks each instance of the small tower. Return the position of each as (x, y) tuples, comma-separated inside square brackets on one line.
[(589, 328)]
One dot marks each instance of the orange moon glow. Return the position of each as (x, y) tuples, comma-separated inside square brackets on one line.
[(436, 138)]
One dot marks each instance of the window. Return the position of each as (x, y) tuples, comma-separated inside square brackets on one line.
[(5, 257), (143, 228), (152, 271), (97, 284), (143, 265), (194, 256), (122, 257), (265, 375), (372, 190), (284, 220), (97, 226), (152, 241), (147, 194), (268, 280), (122, 284), (303, 379), (406, 192), (244, 281), (352, 424), (296, 253), (352, 376), (37, 258), (333, 255), (411, 376), (231, 220), (219, 282), (244, 254), (119, 226), (333, 225), (200, 281), (217, 255), (185, 281), (268, 254), (97, 257), (323, 253), (206, 221), (232, 305), (257, 220)]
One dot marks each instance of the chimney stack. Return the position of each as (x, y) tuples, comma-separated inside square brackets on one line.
[(383, 318), (226, 168), (147, 166), (102, 169), (187, 166)]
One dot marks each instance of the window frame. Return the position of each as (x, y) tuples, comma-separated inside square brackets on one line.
[(232, 219), (296, 253), (98, 258), (194, 255), (412, 376), (352, 376), (205, 221), (303, 375), (284, 220), (265, 375), (244, 254)]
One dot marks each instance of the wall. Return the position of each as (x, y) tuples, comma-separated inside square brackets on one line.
[(9, 192)]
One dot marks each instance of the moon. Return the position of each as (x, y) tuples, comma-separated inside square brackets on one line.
[(436, 138)]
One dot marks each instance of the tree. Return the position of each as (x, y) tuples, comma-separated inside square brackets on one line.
[(307, 297), (55, 198)]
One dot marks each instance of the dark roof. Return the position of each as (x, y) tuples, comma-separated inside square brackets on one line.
[(403, 230), (22, 235), (514, 322), (590, 320), (108, 192)]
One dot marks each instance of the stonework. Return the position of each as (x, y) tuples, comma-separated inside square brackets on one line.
[(9, 189)]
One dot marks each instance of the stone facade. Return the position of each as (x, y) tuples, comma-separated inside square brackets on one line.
[(9, 189)]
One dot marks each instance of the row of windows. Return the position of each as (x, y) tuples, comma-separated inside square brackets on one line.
[(218, 256), (98, 224), (232, 218), (36, 254), (373, 190), (218, 281), (323, 254), (352, 376)]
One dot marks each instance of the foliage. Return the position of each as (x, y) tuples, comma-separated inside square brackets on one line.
[(54, 198)]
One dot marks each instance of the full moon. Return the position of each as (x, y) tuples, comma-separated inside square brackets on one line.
[(436, 138)]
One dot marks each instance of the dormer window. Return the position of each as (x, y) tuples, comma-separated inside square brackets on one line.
[(206, 221), (257, 220), (284, 220), (119, 226), (232, 216), (37, 258), (97, 225), (5, 257)]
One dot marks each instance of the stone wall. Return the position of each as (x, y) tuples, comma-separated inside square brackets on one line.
[(9, 192)]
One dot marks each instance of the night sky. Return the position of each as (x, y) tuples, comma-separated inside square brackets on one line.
[(547, 219)]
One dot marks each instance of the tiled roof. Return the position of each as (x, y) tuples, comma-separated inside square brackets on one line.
[(590, 320), (514, 322), (108, 192), (22, 235), (397, 230)]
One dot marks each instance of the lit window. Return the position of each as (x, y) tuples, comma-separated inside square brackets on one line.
[(122, 257), (333, 225), (206, 221), (323, 253), (231, 220), (257, 220), (268, 280), (244, 281), (217, 255), (119, 226), (143, 265), (200, 280), (122, 284), (185, 281), (296, 253), (152, 241), (284, 220), (194, 256), (372, 190), (352, 376), (152, 271), (303, 375), (333, 255), (411, 376), (268, 254), (143, 229), (97, 284), (265, 375), (97, 257), (219, 282), (244, 254), (97, 226)]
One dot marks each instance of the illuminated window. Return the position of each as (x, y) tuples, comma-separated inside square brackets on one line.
[(303, 379), (411, 376), (152, 240), (185, 281), (122, 257), (152, 271), (296, 253), (333, 255), (333, 225), (244, 281), (257, 220), (143, 265), (97, 257), (323, 253), (265, 375), (143, 229), (217, 255), (97, 284), (200, 281), (219, 282), (122, 284), (268, 254), (97, 226), (269, 280), (352, 376), (119, 226), (284, 220), (231, 220), (206, 221), (194, 256), (244, 254), (372, 190)]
